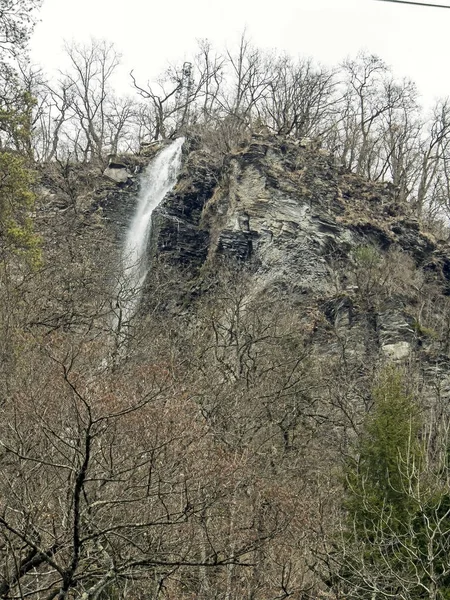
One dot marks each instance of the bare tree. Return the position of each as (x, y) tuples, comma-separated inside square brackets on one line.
[(299, 99), (251, 73), (92, 67), (401, 136), (108, 490), (183, 94), (211, 65), (16, 24), (434, 156)]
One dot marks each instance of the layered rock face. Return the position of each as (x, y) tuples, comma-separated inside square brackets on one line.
[(288, 208), (301, 223), (366, 282), (356, 263)]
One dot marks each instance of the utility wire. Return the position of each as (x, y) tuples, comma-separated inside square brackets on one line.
[(415, 3)]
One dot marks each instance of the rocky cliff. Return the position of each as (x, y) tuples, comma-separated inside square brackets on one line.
[(361, 269), (302, 223)]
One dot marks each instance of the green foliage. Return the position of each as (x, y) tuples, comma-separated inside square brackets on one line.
[(15, 124), (423, 331), (379, 478), (366, 256), (17, 18), (16, 111), (397, 536), (16, 205)]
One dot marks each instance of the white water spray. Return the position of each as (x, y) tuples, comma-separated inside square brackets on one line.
[(157, 180)]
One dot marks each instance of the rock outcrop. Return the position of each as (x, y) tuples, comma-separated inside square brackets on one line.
[(118, 173), (299, 221), (359, 265), (289, 209)]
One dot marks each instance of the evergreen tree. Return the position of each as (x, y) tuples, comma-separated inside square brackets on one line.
[(396, 540), (387, 456), (16, 205), (16, 106)]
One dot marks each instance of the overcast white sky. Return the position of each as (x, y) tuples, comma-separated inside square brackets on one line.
[(151, 33)]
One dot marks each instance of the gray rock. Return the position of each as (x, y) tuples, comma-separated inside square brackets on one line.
[(398, 351), (117, 174)]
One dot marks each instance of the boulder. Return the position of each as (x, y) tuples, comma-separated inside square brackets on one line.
[(117, 174)]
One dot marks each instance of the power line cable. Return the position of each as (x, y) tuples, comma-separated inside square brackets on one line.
[(415, 3)]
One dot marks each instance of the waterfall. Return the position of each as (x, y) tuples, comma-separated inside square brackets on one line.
[(157, 180)]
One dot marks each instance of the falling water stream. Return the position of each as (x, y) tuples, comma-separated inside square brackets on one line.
[(157, 180)]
